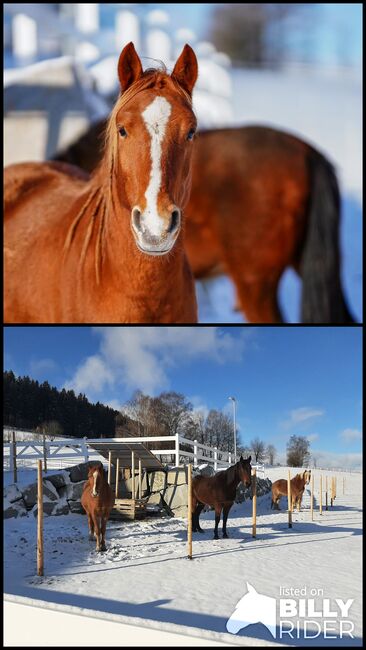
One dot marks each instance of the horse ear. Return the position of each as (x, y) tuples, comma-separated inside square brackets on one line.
[(129, 66), (250, 458), (251, 589), (186, 69)]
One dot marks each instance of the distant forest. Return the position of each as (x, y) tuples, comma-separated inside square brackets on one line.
[(34, 406)]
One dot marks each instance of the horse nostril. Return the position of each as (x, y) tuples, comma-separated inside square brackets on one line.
[(136, 219), (174, 220)]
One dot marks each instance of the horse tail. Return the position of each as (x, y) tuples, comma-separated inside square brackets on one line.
[(323, 300)]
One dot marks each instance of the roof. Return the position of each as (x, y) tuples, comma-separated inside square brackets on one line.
[(122, 451)]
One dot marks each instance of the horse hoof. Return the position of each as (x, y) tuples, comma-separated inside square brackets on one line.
[(225, 536), (103, 548), (216, 537), (200, 530)]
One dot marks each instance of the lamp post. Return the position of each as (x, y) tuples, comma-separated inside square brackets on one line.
[(234, 405)]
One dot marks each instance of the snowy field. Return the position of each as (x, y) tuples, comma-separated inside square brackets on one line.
[(146, 578)]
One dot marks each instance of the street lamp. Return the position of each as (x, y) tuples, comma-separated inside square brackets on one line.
[(234, 405)]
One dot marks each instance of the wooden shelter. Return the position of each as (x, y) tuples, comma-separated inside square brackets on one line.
[(133, 456)]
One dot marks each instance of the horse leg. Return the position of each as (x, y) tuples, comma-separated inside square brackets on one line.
[(198, 511), (194, 518), (103, 529), (258, 299), (218, 509), (226, 511), (91, 527), (96, 521)]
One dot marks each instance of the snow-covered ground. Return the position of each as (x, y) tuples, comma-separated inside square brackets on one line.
[(146, 578)]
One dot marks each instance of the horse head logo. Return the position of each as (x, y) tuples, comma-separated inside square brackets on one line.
[(253, 608)]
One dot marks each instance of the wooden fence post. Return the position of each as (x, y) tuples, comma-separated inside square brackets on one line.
[(321, 495), (40, 522), (177, 449), (289, 501), (140, 479), (14, 450), (335, 487), (109, 467), (195, 453), (117, 477), (189, 531), (312, 497), (133, 473), (215, 459), (44, 454), (254, 505), (326, 492)]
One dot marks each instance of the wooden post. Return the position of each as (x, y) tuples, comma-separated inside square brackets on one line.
[(321, 496), (335, 487), (40, 522), (189, 531), (254, 505), (289, 503), (133, 473), (14, 457), (312, 497), (44, 454), (117, 477), (331, 491), (109, 467), (326, 493), (140, 479)]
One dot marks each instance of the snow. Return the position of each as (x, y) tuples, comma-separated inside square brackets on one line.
[(145, 576)]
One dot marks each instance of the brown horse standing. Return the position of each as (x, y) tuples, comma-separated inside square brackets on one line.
[(97, 500), (109, 248), (219, 492), (298, 482), (262, 200)]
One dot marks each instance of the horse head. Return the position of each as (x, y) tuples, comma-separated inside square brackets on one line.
[(95, 478), (245, 470), (307, 476), (150, 135), (253, 608)]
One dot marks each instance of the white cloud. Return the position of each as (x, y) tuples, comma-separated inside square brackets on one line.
[(140, 357), (329, 460), (348, 436), (42, 365), (301, 417), (312, 436)]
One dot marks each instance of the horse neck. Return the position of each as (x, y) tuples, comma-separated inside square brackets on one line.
[(236, 478)]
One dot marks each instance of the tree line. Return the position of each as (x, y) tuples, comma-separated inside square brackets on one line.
[(40, 407)]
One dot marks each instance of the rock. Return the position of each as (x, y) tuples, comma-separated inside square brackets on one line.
[(12, 493), (72, 491), (61, 508), (155, 499), (157, 480), (125, 485), (59, 480), (76, 507), (48, 507), (80, 472), (30, 493), (204, 470), (177, 476), (182, 511), (176, 496), (16, 509)]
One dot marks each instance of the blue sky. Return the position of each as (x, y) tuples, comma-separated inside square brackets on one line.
[(302, 380)]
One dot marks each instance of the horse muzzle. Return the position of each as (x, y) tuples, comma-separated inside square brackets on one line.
[(94, 495), (155, 235)]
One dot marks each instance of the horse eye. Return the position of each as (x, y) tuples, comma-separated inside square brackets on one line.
[(122, 131), (191, 133)]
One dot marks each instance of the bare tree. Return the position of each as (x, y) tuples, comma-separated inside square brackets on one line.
[(298, 454), (271, 453), (258, 448)]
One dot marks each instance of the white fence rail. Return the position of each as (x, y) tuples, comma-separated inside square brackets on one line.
[(61, 453)]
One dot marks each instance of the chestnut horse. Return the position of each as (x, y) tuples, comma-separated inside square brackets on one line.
[(109, 248), (219, 492), (97, 500), (298, 482), (262, 200)]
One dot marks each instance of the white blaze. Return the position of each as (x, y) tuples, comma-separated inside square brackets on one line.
[(156, 117), (95, 474)]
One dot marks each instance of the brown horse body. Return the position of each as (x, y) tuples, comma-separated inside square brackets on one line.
[(261, 201), (219, 492), (97, 500), (109, 248), (280, 489)]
